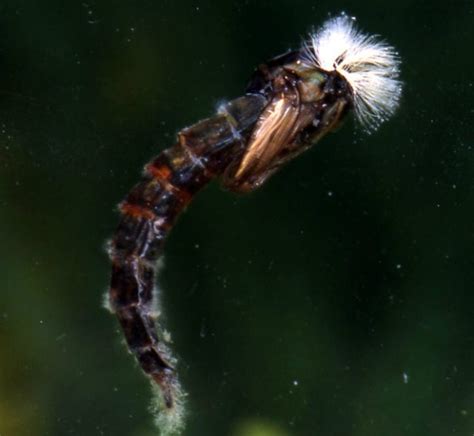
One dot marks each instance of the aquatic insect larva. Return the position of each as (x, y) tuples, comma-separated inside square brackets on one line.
[(291, 102)]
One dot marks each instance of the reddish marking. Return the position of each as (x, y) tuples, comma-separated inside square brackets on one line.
[(162, 174), (136, 211)]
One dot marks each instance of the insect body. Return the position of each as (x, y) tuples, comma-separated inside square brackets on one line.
[(290, 103)]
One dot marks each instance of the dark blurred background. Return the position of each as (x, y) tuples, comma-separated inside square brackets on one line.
[(336, 300)]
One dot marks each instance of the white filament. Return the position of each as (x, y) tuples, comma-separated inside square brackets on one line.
[(369, 64)]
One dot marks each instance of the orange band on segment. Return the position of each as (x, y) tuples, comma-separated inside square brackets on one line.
[(136, 211), (163, 173)]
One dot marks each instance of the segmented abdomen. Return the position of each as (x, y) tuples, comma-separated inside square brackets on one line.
[(148, 213)]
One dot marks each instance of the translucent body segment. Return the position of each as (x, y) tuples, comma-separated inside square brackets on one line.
[(184, 171), (245, 110), (139, 330), (131, 283), (151, 361), (198, 138), (218, 140)]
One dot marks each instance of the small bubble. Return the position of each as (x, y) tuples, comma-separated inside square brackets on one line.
[(405, 378)]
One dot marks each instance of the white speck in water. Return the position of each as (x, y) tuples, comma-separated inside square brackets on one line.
[(405, 377), (330, 193), (295, 383), (399, 266), (203, 331)]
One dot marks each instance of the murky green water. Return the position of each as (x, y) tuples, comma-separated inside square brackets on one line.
[(337, 300)]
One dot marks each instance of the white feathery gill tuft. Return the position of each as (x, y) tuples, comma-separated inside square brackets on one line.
[(370, 65)]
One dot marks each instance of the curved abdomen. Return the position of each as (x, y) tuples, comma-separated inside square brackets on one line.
[(149, 212)]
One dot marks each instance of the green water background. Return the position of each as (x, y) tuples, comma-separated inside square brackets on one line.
[(337, 300)]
